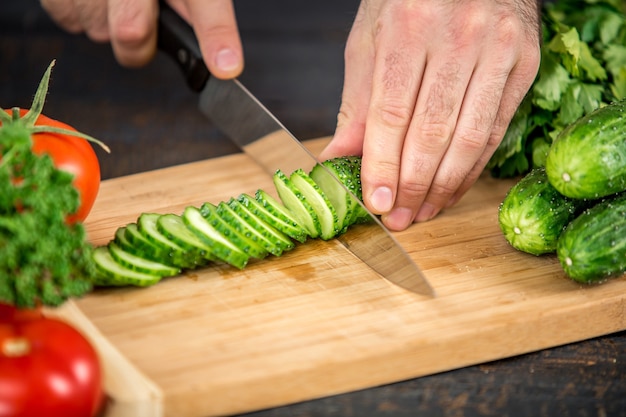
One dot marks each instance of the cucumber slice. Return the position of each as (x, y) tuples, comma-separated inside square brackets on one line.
[(343, 202), (173, 227), (141, 246), (324, 209), (226, 212), (140, 264), (277, 238), (221, 247), (348, 171), (247, 245), (112, 273), (274, 214), (147, 225), (121, 239), (297, 204)]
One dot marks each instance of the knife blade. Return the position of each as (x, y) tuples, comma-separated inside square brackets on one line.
[(258, 133)]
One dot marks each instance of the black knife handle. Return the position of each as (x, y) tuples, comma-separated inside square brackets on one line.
[(177, 39)]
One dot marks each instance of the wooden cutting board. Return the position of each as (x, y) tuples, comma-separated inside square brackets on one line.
[(317, 321)]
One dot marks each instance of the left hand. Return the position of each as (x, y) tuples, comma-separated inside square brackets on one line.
[(430, 88)]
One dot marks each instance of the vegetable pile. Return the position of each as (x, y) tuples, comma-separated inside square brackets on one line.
[(310, 205), (49, 179), (583, 67), (44, 256), (575, 206)]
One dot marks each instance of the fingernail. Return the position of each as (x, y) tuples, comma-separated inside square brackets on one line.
[(381, 200), (425, 213), (399, 218), (227, 60)]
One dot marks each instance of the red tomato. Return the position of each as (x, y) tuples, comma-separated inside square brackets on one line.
[(47, 368), (74, 155)]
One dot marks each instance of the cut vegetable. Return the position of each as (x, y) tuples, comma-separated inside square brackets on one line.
[(230, 216), (277, 238), (297, 204), (140, 264), (173, 227), (245, 244), (147, 226), (326, 214), (221, 246), (111, 273)]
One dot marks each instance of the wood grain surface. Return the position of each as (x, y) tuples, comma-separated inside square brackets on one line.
[(317, 321)]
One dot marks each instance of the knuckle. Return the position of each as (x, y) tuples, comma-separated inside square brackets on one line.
[(434, 136), (394, 114)]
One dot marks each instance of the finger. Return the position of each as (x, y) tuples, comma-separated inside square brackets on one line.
[(132, 27), (470, 139), (517, 84), (357, 88), (64, 14), (396, 79), (218, 35), (446, 76), (93, 16)]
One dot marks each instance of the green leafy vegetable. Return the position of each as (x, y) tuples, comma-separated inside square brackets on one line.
[(43, 259), (583, 67)]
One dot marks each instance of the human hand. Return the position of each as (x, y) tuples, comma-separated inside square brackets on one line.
[(430, 88), (131, 27)]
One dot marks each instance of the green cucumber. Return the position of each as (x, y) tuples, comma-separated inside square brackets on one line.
[(324, 209), (297, 204), (245, 244), (588, 158), (141, 246), (348, 171), (173, 228), (112, 273), (593, 246), (279, 241), (147, 225), (533, 214), (275, 214), (221, 247), (234, 231), (342, 201), (230, 216), (139, 263)]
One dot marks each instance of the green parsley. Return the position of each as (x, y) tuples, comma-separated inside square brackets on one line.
[(583, 67), (43, 260)]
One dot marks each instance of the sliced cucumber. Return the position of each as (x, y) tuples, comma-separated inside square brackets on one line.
[(230, 216), (113, 273), (140, 264), (348, 171), (147, 225), (278, 239), (274, 214), (297, 204), (324, 209), (143, 247), (247, 245), (173, 227), (222, 248), (341, 200)]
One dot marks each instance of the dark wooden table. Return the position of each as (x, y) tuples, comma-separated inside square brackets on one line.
[(294, 53)]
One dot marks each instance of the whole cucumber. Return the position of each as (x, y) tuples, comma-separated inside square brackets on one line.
[(592, 248), (533, 214), (588, 158)]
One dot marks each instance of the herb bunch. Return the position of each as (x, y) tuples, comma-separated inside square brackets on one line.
[(583, 67), (43, 259)]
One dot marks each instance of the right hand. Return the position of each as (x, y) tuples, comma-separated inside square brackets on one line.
[(131, 27)]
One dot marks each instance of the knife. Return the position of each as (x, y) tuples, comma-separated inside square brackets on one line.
[(241, 117)]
